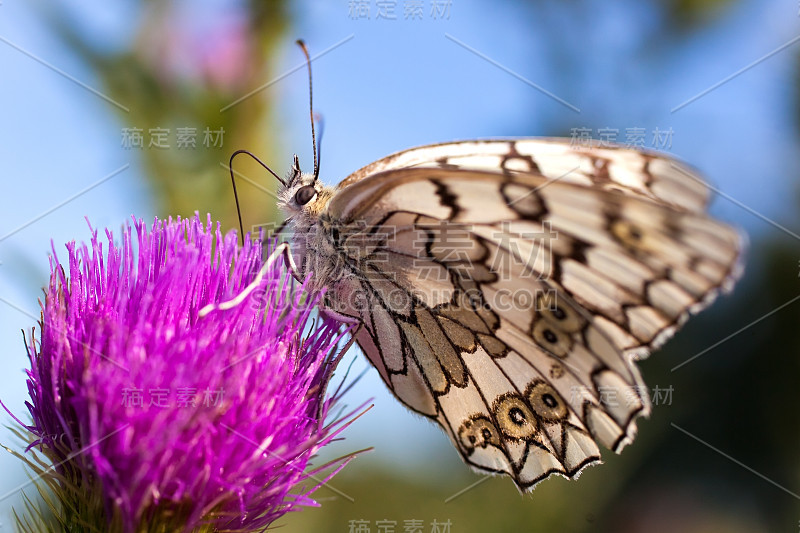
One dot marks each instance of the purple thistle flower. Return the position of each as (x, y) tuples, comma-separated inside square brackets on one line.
[(153, 413)]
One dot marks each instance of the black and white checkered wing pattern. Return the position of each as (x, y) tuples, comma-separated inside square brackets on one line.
[(506, 287), (593, 164)]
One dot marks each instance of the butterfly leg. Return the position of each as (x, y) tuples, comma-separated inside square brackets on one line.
[(282, 249), (288, 260), (353, 328), (345, 319)]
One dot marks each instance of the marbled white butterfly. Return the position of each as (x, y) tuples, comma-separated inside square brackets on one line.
[(504, 288)]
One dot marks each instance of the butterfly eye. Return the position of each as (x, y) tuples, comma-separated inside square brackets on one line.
[(305, 194)]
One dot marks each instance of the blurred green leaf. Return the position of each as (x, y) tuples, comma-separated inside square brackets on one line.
[(171, 79), (687, 14)]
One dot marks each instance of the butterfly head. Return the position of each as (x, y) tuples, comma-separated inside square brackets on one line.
[(302, 194)]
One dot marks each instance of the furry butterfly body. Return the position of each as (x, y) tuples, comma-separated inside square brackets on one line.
[(505, 288)]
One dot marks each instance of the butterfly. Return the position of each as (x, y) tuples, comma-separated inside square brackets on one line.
[(505, 288)]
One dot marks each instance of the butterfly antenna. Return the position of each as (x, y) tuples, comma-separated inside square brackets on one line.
[(302, 46), (321, 123), (233, 183)]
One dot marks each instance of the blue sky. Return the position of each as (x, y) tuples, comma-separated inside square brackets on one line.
[(393, 85)]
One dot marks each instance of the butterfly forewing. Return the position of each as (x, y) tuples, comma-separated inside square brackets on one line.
[(505, 288), (591, 163)]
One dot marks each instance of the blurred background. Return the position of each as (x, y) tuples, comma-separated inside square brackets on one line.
[(133, 108)]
